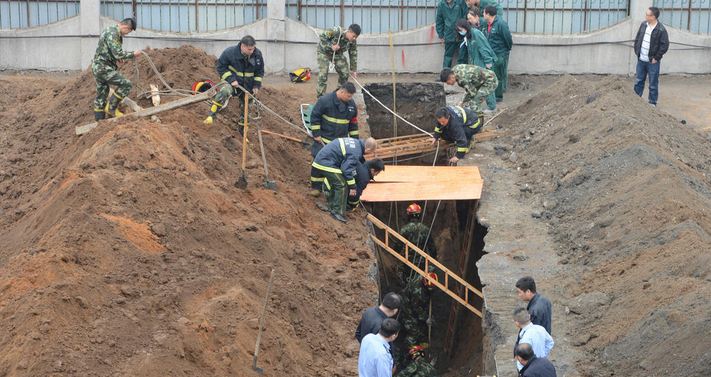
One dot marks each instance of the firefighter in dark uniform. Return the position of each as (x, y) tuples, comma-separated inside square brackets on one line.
[(365, 172), (335, 115), (458, 125), (240, 65), (337, 163)]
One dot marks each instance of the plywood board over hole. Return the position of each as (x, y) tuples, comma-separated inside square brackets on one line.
[(411, 183)]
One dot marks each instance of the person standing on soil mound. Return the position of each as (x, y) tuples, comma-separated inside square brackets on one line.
[(337, 163), (240, 65), (500, 40), (651, 43), (477, 82), (456, 125), (373, 317), (109, 53), (539, 306), (332, 46), (334, 115)]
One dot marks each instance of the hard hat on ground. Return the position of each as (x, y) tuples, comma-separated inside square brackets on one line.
[(414, 210), (300, 75), (429, 283), (203, 85)]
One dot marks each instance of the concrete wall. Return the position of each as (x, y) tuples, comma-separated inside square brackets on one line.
[(288, 44)]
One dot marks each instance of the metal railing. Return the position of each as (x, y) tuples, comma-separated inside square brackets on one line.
[(562, 16), (186, 15), (691, 15), (373, 16), (31, 13)]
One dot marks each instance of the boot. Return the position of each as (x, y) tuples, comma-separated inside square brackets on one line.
[(99, 114), (338, 217), (112, 106), (323, 207), (213, 113), (315, 193)]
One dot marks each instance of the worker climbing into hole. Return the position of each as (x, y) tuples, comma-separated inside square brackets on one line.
[(240, 65), (454, 124), (418, 367), (337, 163), (419, 234), (109, 53), (332, 46), (477, 82), (416, 301), (334, 115)]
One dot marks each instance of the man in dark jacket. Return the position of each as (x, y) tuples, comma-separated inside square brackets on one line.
[(500, 40), (334, 115), (539, 306), (337, 162), (450, 126), (651, 43), (240, 65), (365, 172), (373, 317), (448, 12), (533, 366)]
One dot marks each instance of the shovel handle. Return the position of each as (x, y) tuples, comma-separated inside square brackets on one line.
[(264, 313), (244, 136), (280, 135)]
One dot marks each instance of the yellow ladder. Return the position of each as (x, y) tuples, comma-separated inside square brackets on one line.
[(449, 276)]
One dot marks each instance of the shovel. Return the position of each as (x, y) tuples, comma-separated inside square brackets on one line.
[(261, 326), (242, 181), (306, 143), (269, 185)]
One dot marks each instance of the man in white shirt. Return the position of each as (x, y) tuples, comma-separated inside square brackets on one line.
[(651, 43), (375, 358), (535, 335)]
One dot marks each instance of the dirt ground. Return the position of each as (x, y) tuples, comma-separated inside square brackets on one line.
[(129, 252)]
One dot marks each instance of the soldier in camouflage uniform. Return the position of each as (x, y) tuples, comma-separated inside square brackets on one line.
[(477, 82), (333, 45), (108, 53), (418, 367), (416, 232), (416, 299)]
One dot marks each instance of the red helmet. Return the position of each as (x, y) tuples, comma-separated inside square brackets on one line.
[(414, 210), (416, 351), (202, 85), (429, 283)]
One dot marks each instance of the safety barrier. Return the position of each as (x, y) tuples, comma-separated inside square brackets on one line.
[(562, 16), (31, 13), (691, 15)]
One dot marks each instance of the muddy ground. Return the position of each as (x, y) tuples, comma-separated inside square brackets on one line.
[(129, 251)]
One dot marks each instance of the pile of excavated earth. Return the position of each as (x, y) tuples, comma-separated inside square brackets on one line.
[(624, 189), (129, 250)]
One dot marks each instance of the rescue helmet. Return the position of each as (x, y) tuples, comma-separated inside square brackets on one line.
[(429, 283), (414, 210), (202, 85), (300, 75), (416, 351)]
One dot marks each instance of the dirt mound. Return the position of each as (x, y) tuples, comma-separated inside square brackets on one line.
[(128, 251), (625, 190)]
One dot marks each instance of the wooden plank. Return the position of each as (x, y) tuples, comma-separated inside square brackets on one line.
[(414, 191), (151, 111), (409, 173)]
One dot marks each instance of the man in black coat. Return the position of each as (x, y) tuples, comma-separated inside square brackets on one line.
[(651, 43), (533, 366), (373, 317), (539, 306)]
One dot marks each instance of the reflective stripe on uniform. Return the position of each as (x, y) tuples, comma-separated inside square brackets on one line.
[(336, 120), (462, 149), (325, 141), (224, 76), (328, 186), (354, 203), (438, 130), (354, 133), (257, 78), (314, 179), (476, 125), (351, 182), (315, 126), (343, 146), (464, 114), (326, 168)]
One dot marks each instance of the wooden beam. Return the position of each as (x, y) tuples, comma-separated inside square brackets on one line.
[(151, 111)]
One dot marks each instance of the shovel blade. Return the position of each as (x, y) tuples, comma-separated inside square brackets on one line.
[(241, 182), (255, 367), (270, 185)]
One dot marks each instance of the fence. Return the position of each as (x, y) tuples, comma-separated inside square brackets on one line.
[(23, 14), (691, 15), (186, 15), (563, 16)]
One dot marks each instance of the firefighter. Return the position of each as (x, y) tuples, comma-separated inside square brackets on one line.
[(449, 125), (240, 65), (337, 162), (109, 52), (333, 45), (365, 172), (334, 115)]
